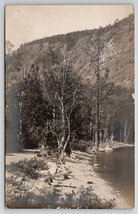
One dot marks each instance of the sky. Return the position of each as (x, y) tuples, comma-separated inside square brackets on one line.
[(27, 23)]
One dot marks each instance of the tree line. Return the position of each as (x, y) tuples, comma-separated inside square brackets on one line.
[(57, 108)]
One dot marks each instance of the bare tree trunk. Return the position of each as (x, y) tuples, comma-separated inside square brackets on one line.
[(102, 136), (97, 112), (126, 132), (63, 123), (54, 114), (90, 130), (62, 105), (67, 140), (112, 137)]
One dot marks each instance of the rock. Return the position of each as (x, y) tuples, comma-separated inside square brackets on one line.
[(12, 193), (89, 151), (17, 194), (25, 178), (108, 149), (52, 168), (19, 179), (60, 182), (89, 182), (72, 156), (101, 150), (35, 190), (91, 174), (44, 172), (96, 165), (49, 180), (42, 154)]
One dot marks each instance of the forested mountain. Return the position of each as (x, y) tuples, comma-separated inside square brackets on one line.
[(119, 38), (81, 81)]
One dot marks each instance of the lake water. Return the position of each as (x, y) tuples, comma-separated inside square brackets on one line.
[(117, 168)]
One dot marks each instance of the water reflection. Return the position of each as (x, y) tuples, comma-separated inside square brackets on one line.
[(118, 168)]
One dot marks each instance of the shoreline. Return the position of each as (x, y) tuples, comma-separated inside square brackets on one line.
[(101, 187), (82, 173)]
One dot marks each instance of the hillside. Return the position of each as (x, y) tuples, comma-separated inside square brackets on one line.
[(40, 67), (118, 38)]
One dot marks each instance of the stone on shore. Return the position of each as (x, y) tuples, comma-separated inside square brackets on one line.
[(52, 167), (108, 149)]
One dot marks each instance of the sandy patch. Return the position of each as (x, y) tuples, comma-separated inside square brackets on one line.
[(82, 174)]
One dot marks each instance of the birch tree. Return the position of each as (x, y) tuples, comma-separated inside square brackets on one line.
[(61, 90)]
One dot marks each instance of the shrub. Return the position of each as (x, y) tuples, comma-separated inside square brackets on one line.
[(30, 167), (83, 199)]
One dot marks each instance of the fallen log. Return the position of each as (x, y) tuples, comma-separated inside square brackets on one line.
[(89, 182), (50, 178), (58, 185)]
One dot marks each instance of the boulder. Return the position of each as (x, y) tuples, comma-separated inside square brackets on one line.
[(108, 149), (44, 172), (101, 150), (96, 165), (52, 168), (42, 154)]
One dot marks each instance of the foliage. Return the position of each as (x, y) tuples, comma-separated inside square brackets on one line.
[(12, 121), (55, 105), (29, 168), (33, 110), (9, 47), (83, 199)]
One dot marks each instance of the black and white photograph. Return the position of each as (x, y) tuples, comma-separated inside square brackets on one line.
[(69, 106)]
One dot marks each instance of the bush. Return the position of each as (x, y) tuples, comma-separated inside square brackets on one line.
[(80, 145), (83, 199), (30, 167)]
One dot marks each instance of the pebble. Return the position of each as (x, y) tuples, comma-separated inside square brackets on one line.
[(96, 164), (12, 192), (24, 179), (17, 194), (19, 179)]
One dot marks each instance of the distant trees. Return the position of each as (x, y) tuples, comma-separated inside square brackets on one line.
[(124, 117), (104, 97), (96, 51), (33, 110), (12, 120), (9, 47), (11, 103), (70, 38)]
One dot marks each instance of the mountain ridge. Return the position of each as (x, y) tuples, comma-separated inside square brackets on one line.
[(119, 38)]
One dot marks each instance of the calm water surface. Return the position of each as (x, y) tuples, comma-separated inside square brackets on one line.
[(117, 168)]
